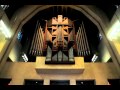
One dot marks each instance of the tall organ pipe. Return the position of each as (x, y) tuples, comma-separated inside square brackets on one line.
[(35, 44), (40, 40), (84, 43), (39, 44), (37, 49), (80, 43), (77, 41), (86, 38), (31, 49)]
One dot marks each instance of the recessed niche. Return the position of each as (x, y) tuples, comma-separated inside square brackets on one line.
[(4, 81), (33, 82), (54, 30), (85, 82), (113, 81), (59, 82), (65, 30)]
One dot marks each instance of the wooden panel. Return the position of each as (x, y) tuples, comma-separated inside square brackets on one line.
[(78, 67)]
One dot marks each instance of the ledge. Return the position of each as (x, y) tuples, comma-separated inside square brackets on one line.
[(41, 67)]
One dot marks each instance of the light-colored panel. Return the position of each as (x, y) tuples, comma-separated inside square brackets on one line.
[(19, 71), (78, 67), (2, 41)]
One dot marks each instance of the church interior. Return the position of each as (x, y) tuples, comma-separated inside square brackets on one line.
[(59, 45)]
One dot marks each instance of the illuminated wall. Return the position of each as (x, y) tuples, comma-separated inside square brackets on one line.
[(2, 41), (15, 52), (104, 55), (5, 32), (114, 31)]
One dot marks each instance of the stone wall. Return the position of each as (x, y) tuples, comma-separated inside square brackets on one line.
[(19, 71)]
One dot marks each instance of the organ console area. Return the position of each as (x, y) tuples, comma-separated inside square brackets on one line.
[(58, 41)]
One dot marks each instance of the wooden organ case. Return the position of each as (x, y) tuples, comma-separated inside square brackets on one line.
[(59, 41)]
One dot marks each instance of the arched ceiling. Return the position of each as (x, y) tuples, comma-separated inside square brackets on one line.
[(109, 10), (27, 12), (73, 12), (76, 16)]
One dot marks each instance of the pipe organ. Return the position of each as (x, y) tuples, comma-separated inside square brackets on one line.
[(58, 41)]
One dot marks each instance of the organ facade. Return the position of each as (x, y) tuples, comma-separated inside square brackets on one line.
[(58, 42)]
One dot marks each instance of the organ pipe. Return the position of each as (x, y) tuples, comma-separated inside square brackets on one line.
[(80, 43), (40, 40), (42, 37), (37, 42), (31, 49), (77, 41), (86, 38), (39, 45), (34, 41), (84, 43)]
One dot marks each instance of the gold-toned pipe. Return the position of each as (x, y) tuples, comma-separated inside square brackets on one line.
[(31, 48), (77, 41), (86, 39), (84, 51), (38, 44), (81, 39)]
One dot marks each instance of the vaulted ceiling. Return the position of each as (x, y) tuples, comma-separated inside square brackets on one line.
[(109, 10), (72, 14)]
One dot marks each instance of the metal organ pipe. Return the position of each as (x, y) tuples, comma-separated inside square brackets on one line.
[(80, 43), (39, 41), (39, 44), (34, 41), (35, 44), (86, 38), (31, 48), (84, 43), (42, 38), (77, 41)]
